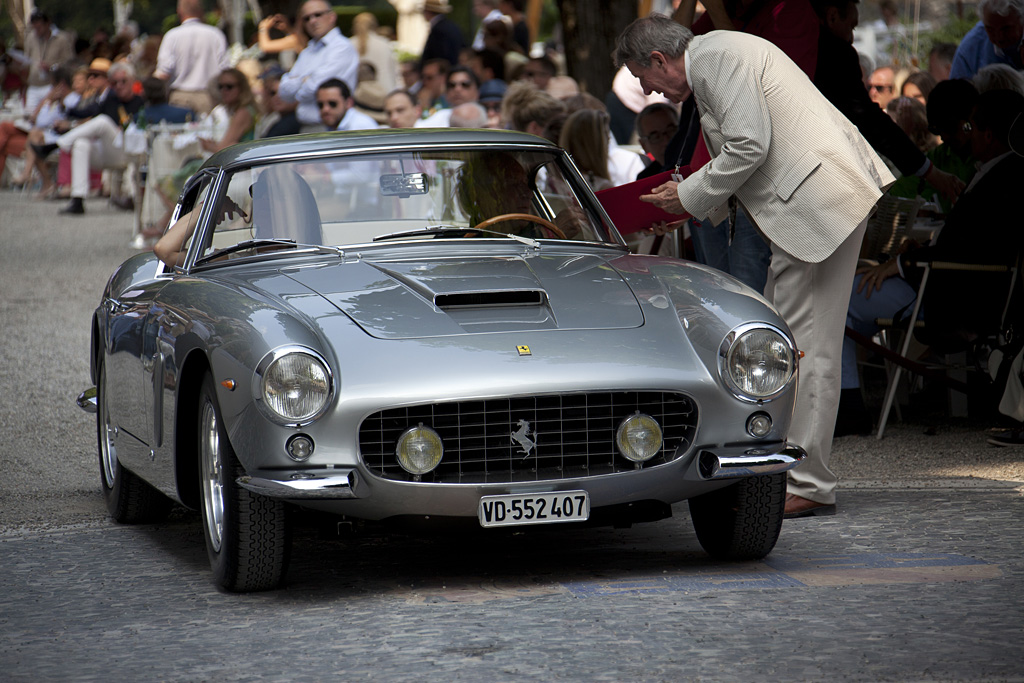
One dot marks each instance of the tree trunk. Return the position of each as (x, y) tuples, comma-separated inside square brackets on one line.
[(590, 28)]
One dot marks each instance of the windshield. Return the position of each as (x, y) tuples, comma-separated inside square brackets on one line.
[(340, 201)]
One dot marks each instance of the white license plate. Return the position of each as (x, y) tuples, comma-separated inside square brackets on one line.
[(534, 508)]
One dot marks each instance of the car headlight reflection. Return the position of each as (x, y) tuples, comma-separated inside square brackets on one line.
[(757, 362), (295, 385), (639, 437)]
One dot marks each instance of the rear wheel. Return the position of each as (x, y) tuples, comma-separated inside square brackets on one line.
[(130, 500), (247, 535), (741, 521)]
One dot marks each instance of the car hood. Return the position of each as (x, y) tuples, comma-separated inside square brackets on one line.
[(415, 298)]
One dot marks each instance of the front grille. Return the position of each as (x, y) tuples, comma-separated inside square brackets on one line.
[(574, 435)]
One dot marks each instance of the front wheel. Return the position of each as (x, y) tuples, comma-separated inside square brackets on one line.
[(129, 499), (247, 535), (741, 521)]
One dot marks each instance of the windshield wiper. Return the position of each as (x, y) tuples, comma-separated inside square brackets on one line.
[(443, 230), (247, 244)]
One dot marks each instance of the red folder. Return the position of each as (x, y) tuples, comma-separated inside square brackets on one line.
[(628, 213)]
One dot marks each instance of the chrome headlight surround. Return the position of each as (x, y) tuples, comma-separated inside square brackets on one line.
[(293, 385), (757, 362)]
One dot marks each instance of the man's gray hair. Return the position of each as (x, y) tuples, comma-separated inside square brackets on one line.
[(648, 34), (121, 68), (469, 115), (1003, 8)]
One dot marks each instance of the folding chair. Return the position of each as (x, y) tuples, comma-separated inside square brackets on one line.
[(897, 363)]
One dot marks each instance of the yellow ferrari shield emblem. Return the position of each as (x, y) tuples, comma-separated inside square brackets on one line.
[(524, 350)]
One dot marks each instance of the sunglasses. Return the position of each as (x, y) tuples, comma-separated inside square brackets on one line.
[(656, 136), (226, 86), (460, 84), (880, 88), (328, 103), (315, 15)]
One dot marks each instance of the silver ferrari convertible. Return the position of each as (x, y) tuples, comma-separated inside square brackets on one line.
[(443, 325)]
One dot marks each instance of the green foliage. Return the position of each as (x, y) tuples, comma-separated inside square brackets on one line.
[(952, 31)]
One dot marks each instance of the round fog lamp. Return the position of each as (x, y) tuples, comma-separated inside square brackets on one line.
[(299, 447), (759, 425), (419, 450), (639, 437)]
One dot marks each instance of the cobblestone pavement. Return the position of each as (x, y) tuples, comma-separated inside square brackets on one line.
[(919, 578)]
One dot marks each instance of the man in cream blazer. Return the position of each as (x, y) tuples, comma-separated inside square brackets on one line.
[(806, 177)]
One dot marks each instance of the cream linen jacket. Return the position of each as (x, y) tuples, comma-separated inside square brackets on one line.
[(804, 173)]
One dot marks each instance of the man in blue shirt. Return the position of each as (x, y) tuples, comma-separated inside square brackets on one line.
[(996, 39), (328, 55)]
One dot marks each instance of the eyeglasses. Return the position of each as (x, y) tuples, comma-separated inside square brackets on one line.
[(656, 136), (328, 103), (315, 15), (880, 88), (460, 84), (227, 86)]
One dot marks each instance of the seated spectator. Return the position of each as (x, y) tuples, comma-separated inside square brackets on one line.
[(468, 115), (278, 116), (238, 106), (157, 110), (409, 69), (656, 125), (461, 87), (584, 135), (95, 143), (498, 38), (998, 77), (15, 136), (531, 110), (337, 108), (491, 95), (402, 109), (982, 227), (918, 85), (370, 93), (487, 65), (431, 93), (882, 85), (996, 39), (290, 38), (910, 115), (539, 71), (949, 109), (623, 165), (940, 60)]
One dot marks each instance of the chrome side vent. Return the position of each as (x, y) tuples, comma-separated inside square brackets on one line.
[(527, 297)]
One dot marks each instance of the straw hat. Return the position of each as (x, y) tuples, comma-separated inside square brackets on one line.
[(99, 66), (437, 6), (369, 98)]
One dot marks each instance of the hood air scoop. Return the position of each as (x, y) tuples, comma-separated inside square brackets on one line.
[(493, 299)]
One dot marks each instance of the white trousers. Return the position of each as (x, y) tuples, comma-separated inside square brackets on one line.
[(94, 144), (813, 299)]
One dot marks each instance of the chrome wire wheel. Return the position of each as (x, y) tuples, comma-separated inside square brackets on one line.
[(212, 477)]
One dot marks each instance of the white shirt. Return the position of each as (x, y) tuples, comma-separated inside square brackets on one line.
[(439, 119), (356, 120), (191, 55), (333, 56)]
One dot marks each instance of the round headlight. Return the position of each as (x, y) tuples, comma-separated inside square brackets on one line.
[(757, 362), (295, 385), (419, 450), (638, 437)]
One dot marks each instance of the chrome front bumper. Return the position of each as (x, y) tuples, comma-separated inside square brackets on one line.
[(339, 484), (773, 459)]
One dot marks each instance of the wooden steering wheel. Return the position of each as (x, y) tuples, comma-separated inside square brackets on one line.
[(521, 217)]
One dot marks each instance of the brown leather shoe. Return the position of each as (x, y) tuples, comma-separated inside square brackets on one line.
[(798, 506)]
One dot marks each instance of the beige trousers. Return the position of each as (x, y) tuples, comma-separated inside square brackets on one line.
[(813, 299), (198, 101), (94, 144)]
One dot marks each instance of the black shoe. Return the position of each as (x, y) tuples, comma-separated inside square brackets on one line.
[(75, 207), (44, 150), (1009, 437), (853, 417), (123, 203)]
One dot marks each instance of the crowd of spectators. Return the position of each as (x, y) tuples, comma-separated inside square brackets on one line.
[(934, 124)]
